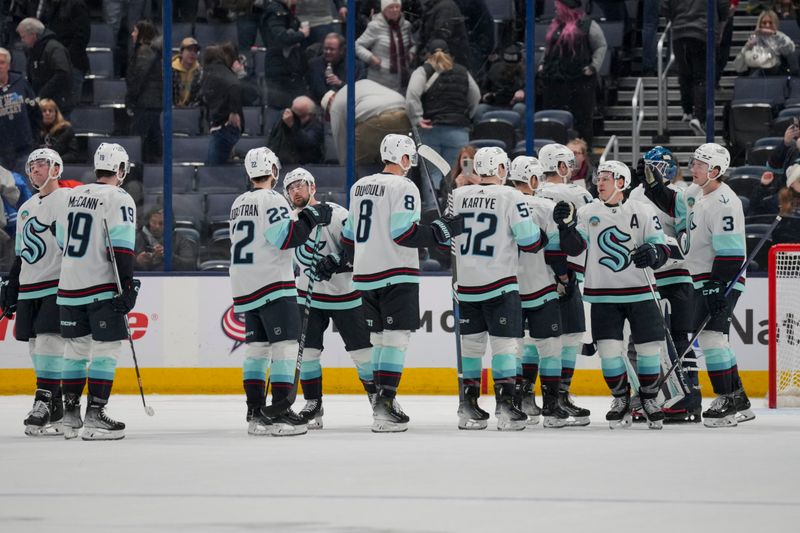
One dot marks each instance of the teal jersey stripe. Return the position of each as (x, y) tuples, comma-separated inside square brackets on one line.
[(38, 294), (656, 238), (728, 244), (99, 297), (283, 293), (123, 236), (331, 306), (276, 233), (401, 222), (347, 228), (512, 287), (60, 235), (393, 280), (553, 241), (526, 232), (538, 302), (674, 280), (618, 299)]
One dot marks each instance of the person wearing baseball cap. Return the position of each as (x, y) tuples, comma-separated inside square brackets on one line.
[(186, 72)]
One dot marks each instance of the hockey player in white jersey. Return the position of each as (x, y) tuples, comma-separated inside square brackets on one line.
[(497, 227), (30, 289), (557, 162), (674, 284), (382, 235), (716, 254), (263, 233), (541, 349), (620, 237), (333, 298), (92, 312)]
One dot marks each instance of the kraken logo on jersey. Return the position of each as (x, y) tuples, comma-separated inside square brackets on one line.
[(33, 246), (618, 256)]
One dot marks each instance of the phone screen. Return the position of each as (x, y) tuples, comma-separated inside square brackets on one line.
[(467, 167)]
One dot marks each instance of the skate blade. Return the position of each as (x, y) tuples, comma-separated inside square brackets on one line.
[(688, 419), (258, 430), (506, 424), (553, 422), (387, 426), (102, 434), (578, 422), (288, 430), (745, 416), (71, 432), (655, 424), (724, 422), (315, 423), (625, 423), (472, 424), (532, 420), (48, 430)]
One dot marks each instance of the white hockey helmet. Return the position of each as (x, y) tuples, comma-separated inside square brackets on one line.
[(394, 147), (52, 158), (552, 155), (110, 157), (524, 167), (488, 161), (618, 170), (713, 155), (260, 162), (298, 174)]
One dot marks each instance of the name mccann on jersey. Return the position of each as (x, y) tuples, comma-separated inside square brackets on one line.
[(84, 201), (244, 210), (373, 189), (478, 202)]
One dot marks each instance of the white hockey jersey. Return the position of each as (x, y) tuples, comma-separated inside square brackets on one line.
[(36, 244), (577, 196), (336, 293), (536, 279), (261, 262), (384, 209), (611, 234), (86, 272), (497, 225)]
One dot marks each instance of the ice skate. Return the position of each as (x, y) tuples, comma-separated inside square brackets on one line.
[(71, 422), (554, 415), (312, 413), (509, 418), (687, 410), (258, 424), (619, 416), (637, 416), (44, 418), (387, 416), (470, 415), (528, 404), (579, 416), (721, 413), (742, 404), (653, 413), (288, 424), (98, 425)]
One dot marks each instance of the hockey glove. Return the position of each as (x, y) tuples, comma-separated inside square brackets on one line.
[(316, 215), (124, 302), (564, 215), (447, 227), (645, 256), (637, 176), (714, 292), (8, 298), (565, 289), (325, 268)]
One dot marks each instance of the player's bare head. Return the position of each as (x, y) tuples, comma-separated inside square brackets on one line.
[(262, 166), (709, 162), (299, 187), (111, 163), (42, 166), (491, 164), (399, 150), (557, 161), (525, 174), (612, 178)]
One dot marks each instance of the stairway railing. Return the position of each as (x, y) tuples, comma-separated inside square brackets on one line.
[(666, 37), (612, 147), (637, 117)]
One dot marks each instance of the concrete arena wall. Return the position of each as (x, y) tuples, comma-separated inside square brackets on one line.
[(188, 341)]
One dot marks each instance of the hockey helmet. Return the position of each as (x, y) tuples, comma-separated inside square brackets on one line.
[(52, 158), (488, 161), (618, 170), (714, 155), (260, 162), (552, 155), (394, 147), (523, 168), (111, 157), (662, 160), (298, 174)]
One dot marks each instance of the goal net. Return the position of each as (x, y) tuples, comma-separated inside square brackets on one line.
[(784, 326)]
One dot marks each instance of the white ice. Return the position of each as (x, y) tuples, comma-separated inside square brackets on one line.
[(193, 468)]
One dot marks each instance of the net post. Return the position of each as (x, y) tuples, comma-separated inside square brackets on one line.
[(773, 328)]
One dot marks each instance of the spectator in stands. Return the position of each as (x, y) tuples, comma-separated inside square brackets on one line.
[(767, 200), (150, 245), (222, 96), (69, 20), (725, 41), (19, 114), (317, 14), (248, 21), (504, 87), (144, 81), (462, 173), (115, 12), (650, 37), (784, 156), (441, 99), (299, 136), (183, 10), (251, 92), (49, 67), (329, 71), (767, 52), (14, 192), (480, 33), (285, 60), (441, 19), (575, 49), (689, 24), (57, 133), (186, 72), (379, 111), (583, 173), (386, 47)]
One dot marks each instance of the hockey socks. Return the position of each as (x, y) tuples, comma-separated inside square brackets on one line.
[(389, 360), (311, 374), (48, 370), (254, 373), (648, 368), (530, 362), (101, 377), (718, 360), (471, 368), (615, 375), (568, 356), (73, 376)]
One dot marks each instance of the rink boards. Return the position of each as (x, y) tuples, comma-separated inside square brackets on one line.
[(189, 341)]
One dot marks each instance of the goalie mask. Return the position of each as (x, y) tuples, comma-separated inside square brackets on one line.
[(552, 155), (51, 157), (111, 157), (488, 161), (394, 147), (662, 162), (260, 162)]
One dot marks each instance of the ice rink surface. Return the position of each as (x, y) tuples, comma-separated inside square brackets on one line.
[(193, 468)]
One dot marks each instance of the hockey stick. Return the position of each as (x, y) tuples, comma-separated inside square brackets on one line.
[(429, 154), (147, 409), (728, 290), (277, 408)]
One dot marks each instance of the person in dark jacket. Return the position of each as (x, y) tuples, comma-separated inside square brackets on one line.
[(19, 114), (480, 31), (784, 156), (56, 132), (328, 71), (285, 60), (69, 20), (144, 81), (441, 19), (222, 96), (49, 67), (504, 86), (299, 136)]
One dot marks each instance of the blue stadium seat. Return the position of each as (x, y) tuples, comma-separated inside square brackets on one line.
[(253, 121), (182, 179), (504, 114), (207, 34), (19, 61), (560, 115), (101, 64), (743, 185), (188, 208), (190, 150), (758, 155), (770, 90), (186, 121), (222, 179), (246, 144), (495, 129), (218, 210), (483, 143), (101, 37), (109, 93), (328, 176), (754, 171)]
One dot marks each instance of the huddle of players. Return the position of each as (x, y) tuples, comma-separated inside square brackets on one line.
[(63, 289)]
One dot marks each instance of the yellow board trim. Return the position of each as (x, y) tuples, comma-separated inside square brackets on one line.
[(440, 381)]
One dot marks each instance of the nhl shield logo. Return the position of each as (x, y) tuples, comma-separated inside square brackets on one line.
[(277, 331), (503, 320)]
